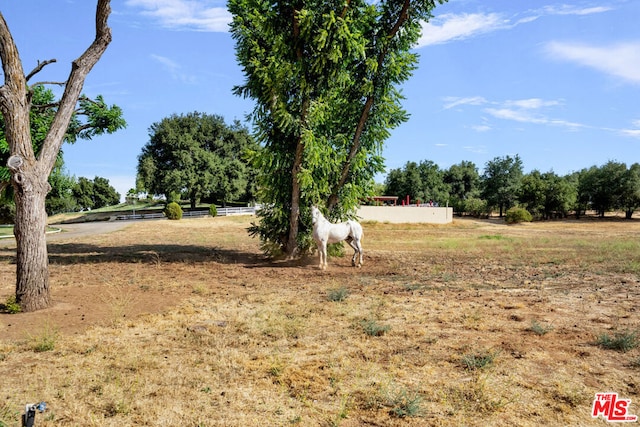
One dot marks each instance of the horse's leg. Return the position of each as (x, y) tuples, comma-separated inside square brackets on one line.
[(322, 248), (357, 250), (359, 245), (320, 255)]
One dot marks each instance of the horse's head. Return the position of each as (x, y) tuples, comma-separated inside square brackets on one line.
[(315, 214)]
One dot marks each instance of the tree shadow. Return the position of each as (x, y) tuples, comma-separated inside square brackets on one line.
[(83, 253)]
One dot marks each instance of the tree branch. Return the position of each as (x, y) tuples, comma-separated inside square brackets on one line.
[(39, 68), (366, 108), (48, 83), (79, 70)]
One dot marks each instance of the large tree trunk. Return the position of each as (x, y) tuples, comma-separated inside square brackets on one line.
[(30, 171), (32, 282)]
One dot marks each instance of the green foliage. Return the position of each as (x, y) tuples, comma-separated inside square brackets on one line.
[(337, 294), (173, 211), (621, 341), (516, 215), (324, 78), (11, 306), (476, 207), (422, 182), (94, 194), (7, 212), (477, 360), (45, 340), (60, 198), (405, 403), (197, 156), (373, 328), (540, 329), (501, 182), (92, 117), (213, 210)]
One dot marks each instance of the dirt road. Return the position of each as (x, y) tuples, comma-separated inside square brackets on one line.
[(75, 230)]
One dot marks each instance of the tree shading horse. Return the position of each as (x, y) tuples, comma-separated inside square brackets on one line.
[(325, 232)]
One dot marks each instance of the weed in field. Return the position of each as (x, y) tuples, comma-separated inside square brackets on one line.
[(10, 306), (8, 416), (474, 397), (199, 289), (119, 301), (570, 395), (404, 403), (540, 329), (338, 294), (478, 360), (620, 341), (373, 328), (45, 340)]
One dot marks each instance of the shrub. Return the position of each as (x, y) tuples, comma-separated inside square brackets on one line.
[(516, 215), (479, 360), (540, 329), (476, 207), (373, 328), (173, 211), (338, 294), (621, 341), (405, 403), (11, 306), (213, 211)]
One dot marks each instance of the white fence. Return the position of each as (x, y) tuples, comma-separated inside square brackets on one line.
[(186, 214)]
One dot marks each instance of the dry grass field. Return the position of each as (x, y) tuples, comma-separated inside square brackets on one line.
[(470, 324)]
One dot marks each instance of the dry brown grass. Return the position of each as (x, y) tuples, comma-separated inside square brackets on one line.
[(184, 323)]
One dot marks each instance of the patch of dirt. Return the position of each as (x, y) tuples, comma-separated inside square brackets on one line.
[(187, 320)]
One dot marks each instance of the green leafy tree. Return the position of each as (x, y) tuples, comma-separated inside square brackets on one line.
[(196, 155), (60, 198), (547, 194), (94, 194), (630, 197), (422, 182), (463, 180), (325, 77), (104, 194), (83, 193), (501, 181), (606, 186), (29, 163)]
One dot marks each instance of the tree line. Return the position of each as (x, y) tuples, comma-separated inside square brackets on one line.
[(503, 184)]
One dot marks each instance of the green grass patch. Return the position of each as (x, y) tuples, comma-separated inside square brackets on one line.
[(620, 341)]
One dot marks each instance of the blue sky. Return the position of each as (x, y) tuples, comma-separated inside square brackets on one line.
[(556, 82)]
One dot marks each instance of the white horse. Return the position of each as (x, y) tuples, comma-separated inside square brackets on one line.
[(325, 232)]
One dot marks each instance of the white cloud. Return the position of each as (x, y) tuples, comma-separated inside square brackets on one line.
[(516, 115), (531, 103), (174, 69), (452, 101), (621, 60), (635, 132), (450, 27), (454, 27), (566, 9), (196, 15), (481, 128)]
